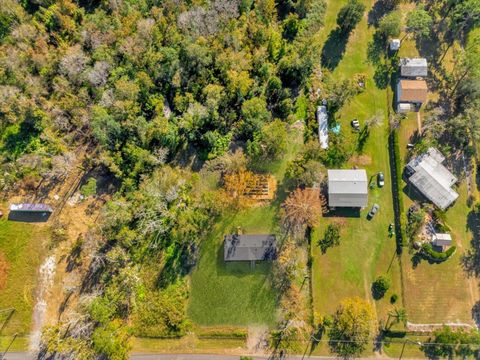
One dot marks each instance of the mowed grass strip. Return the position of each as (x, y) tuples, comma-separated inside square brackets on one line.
[(23, 246), (365, 250)]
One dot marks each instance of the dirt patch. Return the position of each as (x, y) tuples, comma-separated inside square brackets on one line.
[(360, 160), (4, 266)]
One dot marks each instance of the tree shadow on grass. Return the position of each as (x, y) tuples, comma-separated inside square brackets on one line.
[(471, 259), (334, 48), (378, 10)]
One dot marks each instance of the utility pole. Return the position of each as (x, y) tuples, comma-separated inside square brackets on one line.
[(405, 343), (2, 356)]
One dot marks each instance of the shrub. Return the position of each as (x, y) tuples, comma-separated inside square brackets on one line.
[(89, 188), (380, 287), (402, 239), (331, 238), (436, 256), (393, 299)]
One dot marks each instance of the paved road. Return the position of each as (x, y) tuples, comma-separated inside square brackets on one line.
[(26, 356)]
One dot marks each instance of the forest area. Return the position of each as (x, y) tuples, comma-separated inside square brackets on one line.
[(179, 105)]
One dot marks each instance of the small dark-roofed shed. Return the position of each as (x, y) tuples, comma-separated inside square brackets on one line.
[(250, 247)]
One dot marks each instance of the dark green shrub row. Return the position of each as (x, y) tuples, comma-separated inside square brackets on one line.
[(398, 184), (436, 256)]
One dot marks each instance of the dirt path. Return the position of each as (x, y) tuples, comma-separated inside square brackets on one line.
[(419, 122)]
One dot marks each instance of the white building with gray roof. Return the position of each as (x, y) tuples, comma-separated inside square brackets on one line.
[(347, 188), (432, 179), (413, 67)]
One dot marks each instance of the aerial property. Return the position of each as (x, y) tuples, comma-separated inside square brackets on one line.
[(258, 247), (432, 179), (30, 212), (347, 188), (412, 89)]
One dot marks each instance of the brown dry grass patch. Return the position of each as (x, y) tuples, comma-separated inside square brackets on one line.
[(4, 266)]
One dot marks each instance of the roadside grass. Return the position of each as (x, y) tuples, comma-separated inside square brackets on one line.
[(365, 249), (234, 293), (187, 344), (23, 245)]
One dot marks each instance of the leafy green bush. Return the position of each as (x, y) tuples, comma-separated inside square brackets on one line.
[(380, 287), (393, 299), (331, 237), (428, 251), (89, 188)]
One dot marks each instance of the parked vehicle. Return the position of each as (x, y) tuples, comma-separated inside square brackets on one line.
[(355, 124), (373, 210), (380, 179)]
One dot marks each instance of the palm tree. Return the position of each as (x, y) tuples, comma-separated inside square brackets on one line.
[(399, 315)]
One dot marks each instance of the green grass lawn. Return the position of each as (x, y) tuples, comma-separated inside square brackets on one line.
[(233, 293), (23, 246), (365, 249)]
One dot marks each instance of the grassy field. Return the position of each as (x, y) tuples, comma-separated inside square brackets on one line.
[(365, 249), (23, 246)]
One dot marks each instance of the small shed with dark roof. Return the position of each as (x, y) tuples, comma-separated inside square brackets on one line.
[(258, 247)]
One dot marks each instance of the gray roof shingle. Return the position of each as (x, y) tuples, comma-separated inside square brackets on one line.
[(249, 247)]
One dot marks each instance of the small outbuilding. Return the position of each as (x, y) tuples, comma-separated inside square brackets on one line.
[(395, 44), (431, 178), (443, 241), (412, 92), (322, 118), (413, 67), (32, 208), (30, 212), (347, 188), (259, 247)]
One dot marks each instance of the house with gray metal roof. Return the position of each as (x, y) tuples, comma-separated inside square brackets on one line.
[(347, 188), (413, 67), (249, 247), (427, 173)]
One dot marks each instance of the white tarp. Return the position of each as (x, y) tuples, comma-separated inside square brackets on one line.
[(322, 118)]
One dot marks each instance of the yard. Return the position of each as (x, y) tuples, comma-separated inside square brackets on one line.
[(365, 249), (22, 245), (234, 293), (437, 293)]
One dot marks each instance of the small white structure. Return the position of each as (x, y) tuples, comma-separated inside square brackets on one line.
[(395, 44), (322, 118), (442, 240), (403, 108)]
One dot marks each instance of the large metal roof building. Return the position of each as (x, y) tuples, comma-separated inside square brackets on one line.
[(432, 179), (347, 188), (413, 67)]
